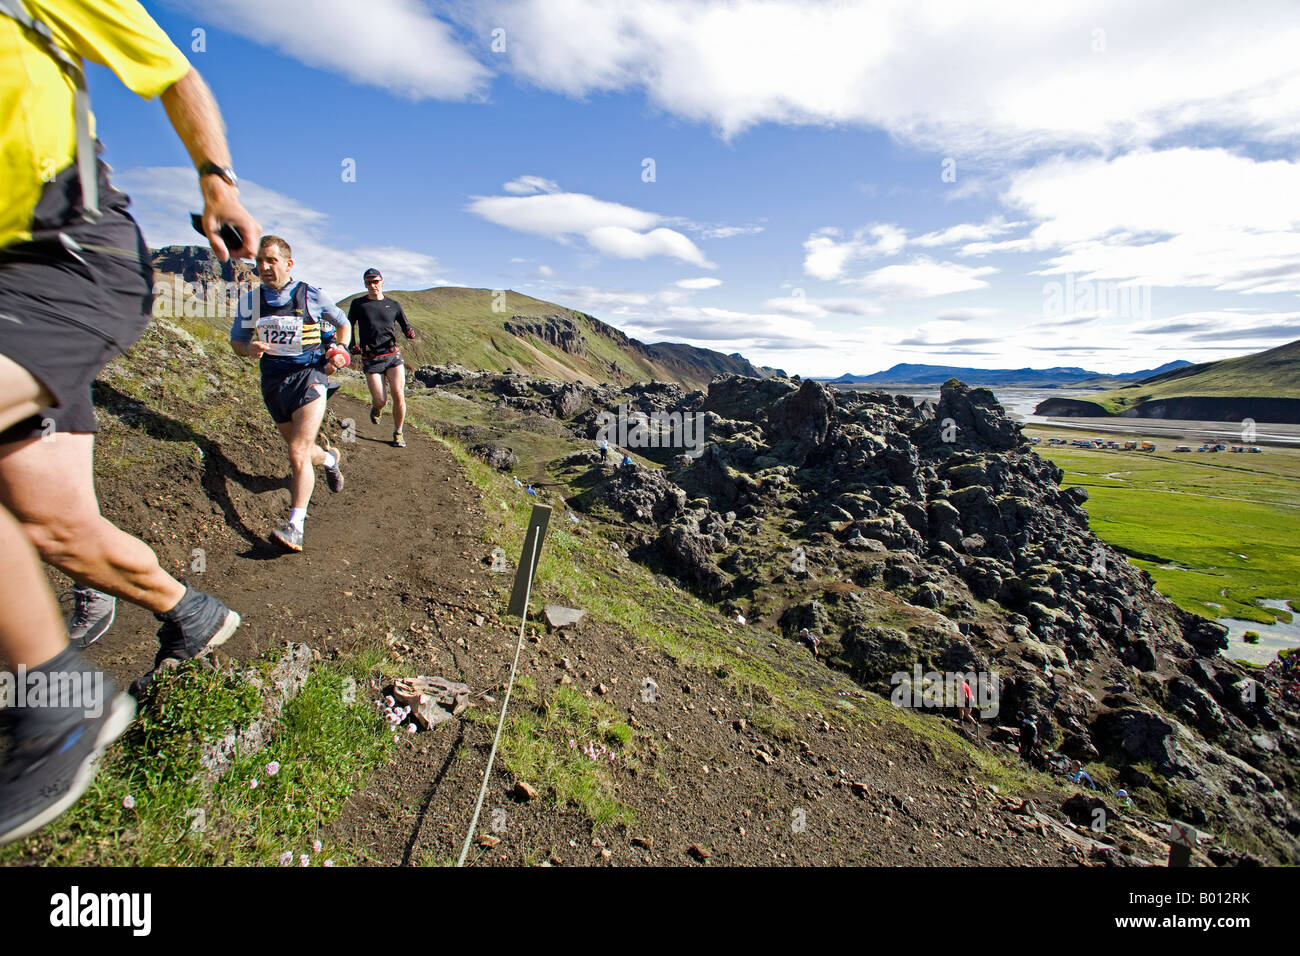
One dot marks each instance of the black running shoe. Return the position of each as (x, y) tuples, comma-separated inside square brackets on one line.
[(374, 415), (196, 626), (45, 774), (92, 615)]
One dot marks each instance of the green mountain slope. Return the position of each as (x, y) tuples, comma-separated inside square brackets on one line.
[(1263, 385)]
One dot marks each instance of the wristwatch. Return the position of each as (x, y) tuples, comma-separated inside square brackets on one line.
[(225, 172)]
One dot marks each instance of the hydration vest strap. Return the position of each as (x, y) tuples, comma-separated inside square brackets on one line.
[(87, 170)]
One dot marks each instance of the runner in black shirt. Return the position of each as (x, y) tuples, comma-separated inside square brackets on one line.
[(372, 319)]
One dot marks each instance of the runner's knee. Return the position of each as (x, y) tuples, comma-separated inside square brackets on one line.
[(61, 536)]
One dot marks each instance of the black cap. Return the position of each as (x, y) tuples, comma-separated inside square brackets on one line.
[(372, 274)]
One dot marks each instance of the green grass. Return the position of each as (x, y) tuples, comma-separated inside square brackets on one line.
[(1274, 373), (1189, 519), (543, 744), (325, 746)]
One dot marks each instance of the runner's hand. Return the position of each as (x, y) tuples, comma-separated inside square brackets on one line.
[(221, 205), (354, 349), (256, 348), (410, 333)]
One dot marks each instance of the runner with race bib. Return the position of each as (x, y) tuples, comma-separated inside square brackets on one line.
[(291, 326)]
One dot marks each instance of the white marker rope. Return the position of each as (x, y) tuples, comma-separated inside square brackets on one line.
[(478, 807)]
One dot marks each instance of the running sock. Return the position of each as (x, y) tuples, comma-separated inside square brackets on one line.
[(331, 460), (296, 517)]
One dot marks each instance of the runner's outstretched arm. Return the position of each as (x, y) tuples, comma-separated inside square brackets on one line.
[(197, 120)]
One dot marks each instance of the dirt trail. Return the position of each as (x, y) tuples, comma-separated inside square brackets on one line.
[(403, 538), (402, 535)]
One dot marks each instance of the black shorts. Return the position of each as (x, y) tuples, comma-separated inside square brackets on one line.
[(70, 302), (377, 366), (285, 393)]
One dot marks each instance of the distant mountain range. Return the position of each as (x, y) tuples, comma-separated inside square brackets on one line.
[(500, 330), (1059, 377), (1263, 386)]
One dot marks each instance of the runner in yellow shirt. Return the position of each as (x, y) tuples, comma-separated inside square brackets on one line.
[(76, 290)]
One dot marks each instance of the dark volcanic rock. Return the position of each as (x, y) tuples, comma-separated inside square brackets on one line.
[(978, 417), (499, 456), (557, 330), (1208, 637), (639, 494), (1141, 735)]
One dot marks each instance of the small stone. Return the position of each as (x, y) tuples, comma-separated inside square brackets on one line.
[(643, 841), (763, 756), (488, 840), (523, 791), (698, 851)]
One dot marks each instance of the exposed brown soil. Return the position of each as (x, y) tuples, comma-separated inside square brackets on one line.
[(400, 552)]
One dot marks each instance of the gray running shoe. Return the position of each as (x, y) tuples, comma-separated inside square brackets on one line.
[(333, 476), (92, 615), (287, 536), (47, 771), (196, 626)]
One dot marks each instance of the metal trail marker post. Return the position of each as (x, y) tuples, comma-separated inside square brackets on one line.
[(523, 588), (537, 524), (1182, 838)]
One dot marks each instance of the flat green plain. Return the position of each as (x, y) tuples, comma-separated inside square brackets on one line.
[(1217, 531)]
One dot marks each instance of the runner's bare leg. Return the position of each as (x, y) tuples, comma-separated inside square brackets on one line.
[(31, 629), (395, 378), (375, 382), (304, 454), (49, 486)]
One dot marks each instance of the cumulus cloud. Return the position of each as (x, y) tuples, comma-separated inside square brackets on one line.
[(608, 227), (624, 243), (827, 256), (1018, 75), (1175, 217), (397, 45), (704, 282), (163, 196), (924, 278)]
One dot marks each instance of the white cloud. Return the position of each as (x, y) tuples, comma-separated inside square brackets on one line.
[(544, 272), (966, 233), (397, 45), (609, 227), (624, 243), (704, 282), (1177, 217), (526, 185), (827, 257), (1016, 75), (163, 197), (924, 278)]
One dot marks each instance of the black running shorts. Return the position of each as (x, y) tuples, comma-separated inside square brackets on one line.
[(285, 393), (69, 303), (377, 366)]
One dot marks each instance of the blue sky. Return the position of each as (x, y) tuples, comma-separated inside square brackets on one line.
[(837, 187)]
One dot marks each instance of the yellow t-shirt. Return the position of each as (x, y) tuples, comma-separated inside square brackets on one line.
[(38, 137)]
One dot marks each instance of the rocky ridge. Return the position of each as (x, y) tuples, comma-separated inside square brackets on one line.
[(915, 533)]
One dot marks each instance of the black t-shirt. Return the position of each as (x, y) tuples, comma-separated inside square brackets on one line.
[(372, 324)]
